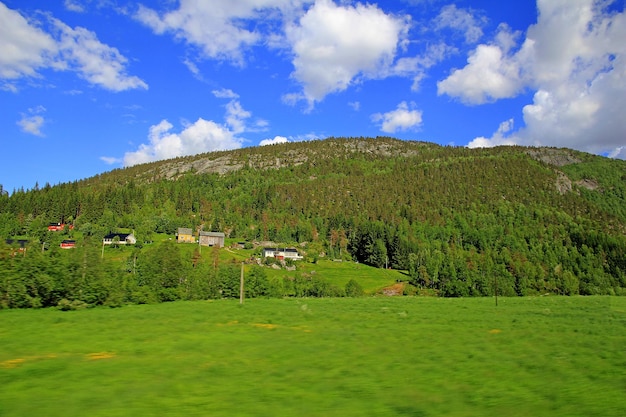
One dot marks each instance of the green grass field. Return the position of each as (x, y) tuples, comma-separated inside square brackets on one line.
[(382, 356)]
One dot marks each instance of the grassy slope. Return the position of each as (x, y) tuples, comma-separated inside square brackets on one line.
[(319, 357), (338, 273)]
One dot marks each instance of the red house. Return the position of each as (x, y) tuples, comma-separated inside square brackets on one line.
[(58, 227), (68, 244)]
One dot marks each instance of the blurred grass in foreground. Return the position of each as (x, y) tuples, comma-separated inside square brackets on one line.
[(544, 356)]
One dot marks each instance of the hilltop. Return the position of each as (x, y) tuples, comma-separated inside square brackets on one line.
[(540, 220)]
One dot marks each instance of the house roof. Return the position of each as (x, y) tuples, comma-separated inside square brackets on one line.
[(185, 231), (21, 242), (290, 250), (122, 236), (212, 234)]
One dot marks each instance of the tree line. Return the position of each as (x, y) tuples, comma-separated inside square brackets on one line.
[(80, 278), (455, 219)]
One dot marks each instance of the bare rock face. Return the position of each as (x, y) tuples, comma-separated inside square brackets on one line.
[(589, 184), (563, 183), (555, 157)]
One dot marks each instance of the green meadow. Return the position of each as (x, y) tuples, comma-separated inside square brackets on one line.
[(375, 356)]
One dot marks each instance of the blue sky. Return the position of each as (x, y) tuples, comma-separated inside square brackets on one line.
[(87, 86)]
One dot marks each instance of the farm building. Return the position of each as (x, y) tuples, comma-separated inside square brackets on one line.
[(21, 242), (212, 239), (282, 253), (68, 244), (58, 227), (122, 239), (185, 235)]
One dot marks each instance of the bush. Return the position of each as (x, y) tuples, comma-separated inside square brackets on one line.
[(409, 289), (67, 305), (354, 289)]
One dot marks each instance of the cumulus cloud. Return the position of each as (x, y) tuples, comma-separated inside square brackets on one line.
[(491, 74), (573, 59), (402, 118), (332, 45), (335, 46), (497, 139), (277, 139), (236, 116), (28, 48), (199, 137), (220, 29)]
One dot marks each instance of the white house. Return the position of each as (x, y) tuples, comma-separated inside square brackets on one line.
[(282, 253), (123, 239)]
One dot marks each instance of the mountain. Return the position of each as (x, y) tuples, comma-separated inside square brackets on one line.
[(543, 220)]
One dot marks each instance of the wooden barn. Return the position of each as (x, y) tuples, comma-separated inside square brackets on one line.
[(212, 239)]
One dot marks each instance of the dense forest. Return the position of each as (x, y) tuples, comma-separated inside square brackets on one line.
[(540, 220)]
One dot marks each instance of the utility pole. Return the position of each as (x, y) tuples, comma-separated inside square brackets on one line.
[(241, 285), (496, 289)]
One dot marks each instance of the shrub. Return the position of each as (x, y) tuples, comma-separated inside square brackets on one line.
[(409, 289), (67, 305), (354, 289)]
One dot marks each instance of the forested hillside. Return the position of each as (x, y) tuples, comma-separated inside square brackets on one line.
[(539, 220)]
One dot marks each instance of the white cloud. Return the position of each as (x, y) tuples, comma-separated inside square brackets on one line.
[(94, 61), (491, 74), (573, 59), (277, 139), (220, 29), (199, 137), (32, 124), (33, 121), (618, 153), (335, 46), (225, 93), (499, 137), (74, 6), (416, 67), (193, 68), (402, 118), (110, 160), (466, 21), (27, 49), (306, 137), (236, 116)]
